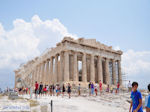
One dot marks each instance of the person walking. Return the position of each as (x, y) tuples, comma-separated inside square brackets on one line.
[(40, 89), (129, 87), (107, 89), (69, 90), (118, 87), (92, 88), (95, 89), (36, 88), (89, 86), (79, 90), (136, 103), (51, 90), (100, 87), (63, 90)]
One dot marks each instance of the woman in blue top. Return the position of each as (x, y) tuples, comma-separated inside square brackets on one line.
[(147, 101), (136, 103), (92, 88)]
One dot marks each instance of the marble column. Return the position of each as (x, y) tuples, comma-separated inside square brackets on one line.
[(75, 73), (42, 72), (61, 67), (39, 73), (114, 72), (100, 70), (92, 69), (66, 68), (107, 71), (47, 72), (84, 69), (119, 73), (36, 74), (33, 77), (51, 70), (56, 69)]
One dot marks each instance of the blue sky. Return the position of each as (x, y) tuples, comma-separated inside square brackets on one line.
[(124, 24)]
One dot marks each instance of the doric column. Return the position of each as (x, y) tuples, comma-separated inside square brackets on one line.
[(47, 72), (56, 69), (114, 72), (100, 70), (66, 68), (107, 71), (51, 70), (43, 73), (119, 73), (61, 67), (92, 69), (33, 77), (75, 74), (84, 70), (36, 74), (39, 73)]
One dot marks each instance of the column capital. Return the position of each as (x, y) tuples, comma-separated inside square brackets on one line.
[(113, 60), (48, 59)]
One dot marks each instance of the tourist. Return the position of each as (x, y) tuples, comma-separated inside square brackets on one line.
[(40, 89), (129, 87), (51, 90), (118, 86), (107, 89), (44, 90), (63, 90), (111, 89), (92, 88), (24, 90), (147, 100), (79, 90), (27, 90), (95, 89), (20, 91), (36, 88), (136, 103), (57, 90), (47, 89), (69, 90), (89, 86), (100, 87)]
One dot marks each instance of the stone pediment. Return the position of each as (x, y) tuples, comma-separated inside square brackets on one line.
[(90, 43)]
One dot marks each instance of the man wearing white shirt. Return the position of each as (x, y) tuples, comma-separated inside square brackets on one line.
[(129, 86)]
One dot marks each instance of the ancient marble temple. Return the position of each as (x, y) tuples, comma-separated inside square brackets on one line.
[(74, 61)]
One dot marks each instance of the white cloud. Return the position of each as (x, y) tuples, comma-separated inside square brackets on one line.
[(28, 39), (134, 63), (116, 48)]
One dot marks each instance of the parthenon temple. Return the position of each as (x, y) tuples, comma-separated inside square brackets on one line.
[(73, 61)]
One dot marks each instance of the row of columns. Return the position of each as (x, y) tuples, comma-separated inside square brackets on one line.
[(47, 73)]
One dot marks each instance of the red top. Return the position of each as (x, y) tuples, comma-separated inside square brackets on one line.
[(44, 89), (100, 84), (36, 86), (118, 85)]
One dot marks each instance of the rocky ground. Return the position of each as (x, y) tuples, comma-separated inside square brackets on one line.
[(106, 102)]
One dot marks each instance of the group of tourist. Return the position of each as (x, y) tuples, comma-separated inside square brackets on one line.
[(93, 88), (136, 97), (51, 89), (41, 89)]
